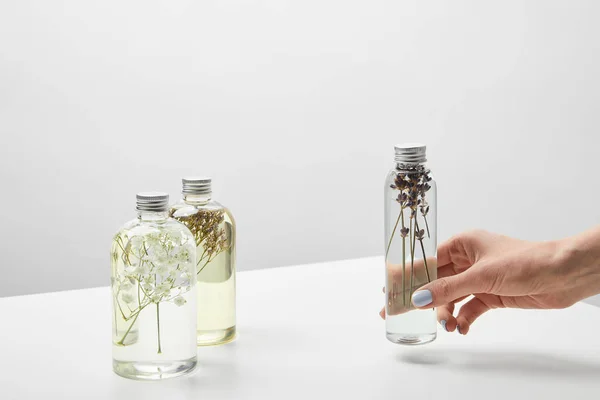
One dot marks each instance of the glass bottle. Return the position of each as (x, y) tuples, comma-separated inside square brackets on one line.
[(410, 245), (153, 285), (213, 228)]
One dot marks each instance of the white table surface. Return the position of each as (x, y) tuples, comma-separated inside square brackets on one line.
[(309, 331)]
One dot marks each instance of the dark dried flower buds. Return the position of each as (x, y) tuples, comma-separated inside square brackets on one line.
[(402, 197), (404, 232), (399, 182), (206, 227)]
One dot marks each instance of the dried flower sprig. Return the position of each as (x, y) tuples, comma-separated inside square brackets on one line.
[(206, 226), (412, 184)]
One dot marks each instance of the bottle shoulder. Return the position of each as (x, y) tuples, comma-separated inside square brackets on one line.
[(185, 209), (170, 227), (394, 172)]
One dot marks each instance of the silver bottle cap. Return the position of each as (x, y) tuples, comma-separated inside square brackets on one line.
[(197, 185), (410, 153), (152, 201)]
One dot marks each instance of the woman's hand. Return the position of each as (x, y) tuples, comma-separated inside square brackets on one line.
[(503, 272)]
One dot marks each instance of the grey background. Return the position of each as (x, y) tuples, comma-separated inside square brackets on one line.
[(293, 108)]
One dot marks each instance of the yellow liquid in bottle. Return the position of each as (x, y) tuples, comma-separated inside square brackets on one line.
[(216, 302), (214, 228)]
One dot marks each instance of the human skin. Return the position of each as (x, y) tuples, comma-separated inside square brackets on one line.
[(503, 272)]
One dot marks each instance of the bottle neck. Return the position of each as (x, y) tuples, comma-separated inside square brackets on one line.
[(153, 216), (197, 198)]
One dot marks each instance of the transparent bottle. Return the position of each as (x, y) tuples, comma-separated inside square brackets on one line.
[(213, 228), (410, 245), (153, 284)]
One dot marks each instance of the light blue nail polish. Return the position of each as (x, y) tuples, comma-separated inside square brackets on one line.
[(422, 298), (443, 323)]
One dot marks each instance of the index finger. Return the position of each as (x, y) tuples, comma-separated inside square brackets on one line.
[(443, 251)]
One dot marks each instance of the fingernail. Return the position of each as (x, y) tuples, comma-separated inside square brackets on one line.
[(458, 329), (422, 298), (443, 323)]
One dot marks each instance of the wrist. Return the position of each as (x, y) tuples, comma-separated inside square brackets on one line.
[(577, 259)]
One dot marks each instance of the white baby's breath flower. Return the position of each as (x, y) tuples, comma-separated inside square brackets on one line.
[(185, 286), (147, 287), (159, 256), (155, 298), (177, 251), (143, 269), (163, 289), (162, 269), (185, 276), (182, 255), (127, 297), (179, 301), (161, 265), (185, 281), (136, 243)]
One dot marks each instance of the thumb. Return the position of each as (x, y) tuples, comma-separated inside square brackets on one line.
[(446, 290)]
